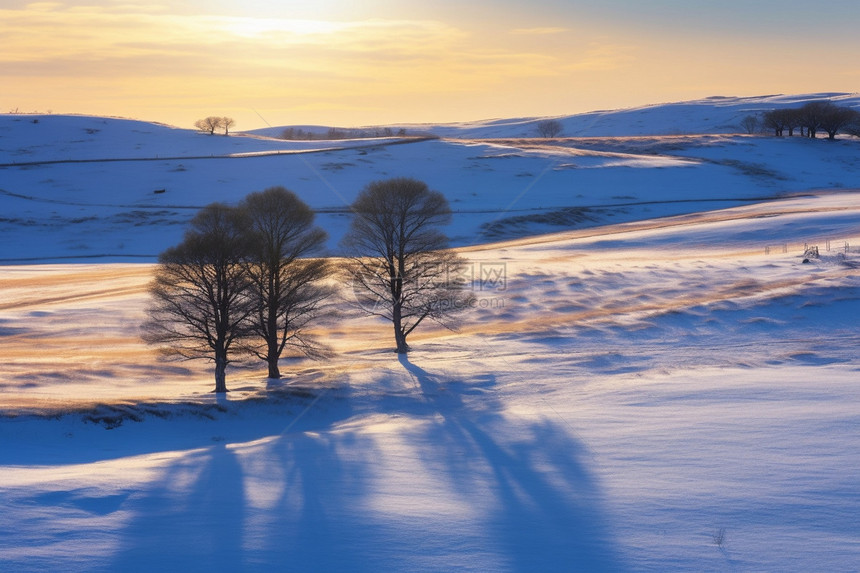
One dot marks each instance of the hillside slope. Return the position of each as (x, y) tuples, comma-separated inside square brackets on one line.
[(83, 188)]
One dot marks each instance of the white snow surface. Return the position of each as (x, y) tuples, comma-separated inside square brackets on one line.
[(83, 188), (660, 386)]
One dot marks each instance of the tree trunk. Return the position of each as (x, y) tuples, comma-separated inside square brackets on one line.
[(220, 372), (274, 371), (399, 336), (273, 352)]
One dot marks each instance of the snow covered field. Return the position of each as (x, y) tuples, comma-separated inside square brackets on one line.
[(77, 189), (665, 387)]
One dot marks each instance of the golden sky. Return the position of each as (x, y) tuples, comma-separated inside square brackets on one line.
[(335, 62)]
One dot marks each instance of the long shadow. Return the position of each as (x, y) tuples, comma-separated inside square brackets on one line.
[(544, 508), (470, 486), (317, 523), (177, 527), (287, 504)]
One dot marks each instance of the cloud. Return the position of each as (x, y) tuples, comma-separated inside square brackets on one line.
[(121, 40), (123, 53), (49, 32)]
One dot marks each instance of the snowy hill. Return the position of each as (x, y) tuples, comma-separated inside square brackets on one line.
[(711, 115), (84, 188), (26, 139)]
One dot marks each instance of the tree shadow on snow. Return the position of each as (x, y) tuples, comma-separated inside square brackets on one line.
[(285, 504), (189, 520), (532, 489), (472, 487)]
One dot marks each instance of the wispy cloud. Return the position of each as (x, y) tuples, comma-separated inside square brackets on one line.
[(124, 40), (45, 31), (151, 54), (112, 55)]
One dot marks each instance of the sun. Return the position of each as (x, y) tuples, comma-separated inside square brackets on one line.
[(257, 27)]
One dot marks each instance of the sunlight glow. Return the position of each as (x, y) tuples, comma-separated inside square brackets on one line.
[(256, 27), (365, 65)]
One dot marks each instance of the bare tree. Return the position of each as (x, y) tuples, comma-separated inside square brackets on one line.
[(209, 124), (793, 120), (287, 296), (750, 124), (774, 119), (812, 115), (227, 123), (199, 293), (549, 128), (836, 118), (400, 265), (853, 128)]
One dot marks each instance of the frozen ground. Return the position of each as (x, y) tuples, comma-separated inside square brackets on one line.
[(642, 397), (678, 393)]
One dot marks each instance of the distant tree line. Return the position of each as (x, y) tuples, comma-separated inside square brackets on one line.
[(246, 279), (297, 133), (809, 120)]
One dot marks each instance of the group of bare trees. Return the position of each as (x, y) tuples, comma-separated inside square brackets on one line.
[(245, 279), (238, 283), (213, 122), (809, 119)]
